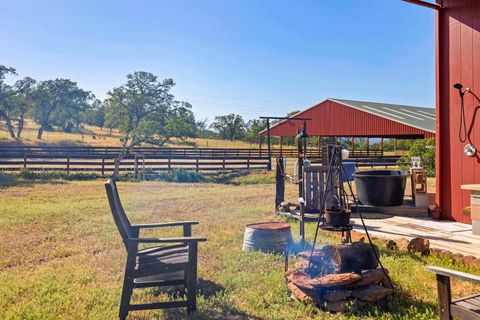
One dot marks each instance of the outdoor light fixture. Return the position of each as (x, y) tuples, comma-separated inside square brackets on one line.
[(469, 150)]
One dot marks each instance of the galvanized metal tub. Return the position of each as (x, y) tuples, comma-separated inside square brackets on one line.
[(273, 237)]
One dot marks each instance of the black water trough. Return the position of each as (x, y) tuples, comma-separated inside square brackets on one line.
[(384, 188)]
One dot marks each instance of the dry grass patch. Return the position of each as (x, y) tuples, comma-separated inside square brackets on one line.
[(61, 256)]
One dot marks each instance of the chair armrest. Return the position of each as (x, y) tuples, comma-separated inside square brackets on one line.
[(454, 274), (301, 200), (167, 240), (164, 224)]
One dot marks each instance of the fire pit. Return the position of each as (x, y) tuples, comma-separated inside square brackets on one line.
[(339, 277), (272, 237)]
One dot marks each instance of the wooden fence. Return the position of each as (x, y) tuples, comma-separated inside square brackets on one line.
[(151, 159), (102, 160)]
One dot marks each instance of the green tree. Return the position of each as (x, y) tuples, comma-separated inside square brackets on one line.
[(23, 96), (181, 122), (7, 99), (140, 109), (230, 126), (95, 115), (57, 102), (254, 127)]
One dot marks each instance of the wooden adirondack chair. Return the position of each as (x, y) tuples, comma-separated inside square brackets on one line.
[(170, 264), (467, 308)]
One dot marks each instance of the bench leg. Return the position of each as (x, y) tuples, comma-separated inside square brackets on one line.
[(444, 297)]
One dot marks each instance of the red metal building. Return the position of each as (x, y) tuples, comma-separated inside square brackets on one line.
[(457, 61), (349, 118)]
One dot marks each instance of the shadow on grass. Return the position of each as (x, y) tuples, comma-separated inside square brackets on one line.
[(228, 177), (217, 310), (400, 306), (9, 181)]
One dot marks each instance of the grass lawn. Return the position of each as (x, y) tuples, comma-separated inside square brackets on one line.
[(61, 256)]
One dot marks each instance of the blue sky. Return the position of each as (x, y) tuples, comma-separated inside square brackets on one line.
[(244, 56)]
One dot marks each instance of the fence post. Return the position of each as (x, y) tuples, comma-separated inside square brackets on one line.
[(103, 166), (197, 164), (68, 165), (223, 164), (169, 164), (143, 167), (25, 161), (135, 167), (248, 163)]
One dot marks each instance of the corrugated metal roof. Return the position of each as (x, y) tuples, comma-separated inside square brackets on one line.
[(417, 117)]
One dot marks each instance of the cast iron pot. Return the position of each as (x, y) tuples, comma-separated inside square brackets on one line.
[(337, 218)]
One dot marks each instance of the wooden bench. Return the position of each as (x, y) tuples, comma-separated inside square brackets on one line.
[(467, 308)]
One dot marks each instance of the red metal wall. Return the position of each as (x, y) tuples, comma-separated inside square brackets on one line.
[(458, 60), (330, 118)]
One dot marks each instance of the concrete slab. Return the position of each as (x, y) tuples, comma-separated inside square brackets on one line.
[(447, 235)]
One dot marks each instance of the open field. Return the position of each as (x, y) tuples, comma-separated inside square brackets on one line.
[(94, 136), (61, 256)]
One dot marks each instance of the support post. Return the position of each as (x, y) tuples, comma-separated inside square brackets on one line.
[(353, 146), (279, 183), (281, 145), (300, 152), (268, 142), (381, 146), (368, 146), (319, 146)]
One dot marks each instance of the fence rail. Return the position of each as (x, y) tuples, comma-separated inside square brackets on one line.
[(152, 159), (198, 152)]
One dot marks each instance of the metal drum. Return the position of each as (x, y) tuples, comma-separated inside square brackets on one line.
[(272, 237)]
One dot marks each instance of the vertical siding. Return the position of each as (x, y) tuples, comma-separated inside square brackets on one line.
[(330, 118), (460, 46)]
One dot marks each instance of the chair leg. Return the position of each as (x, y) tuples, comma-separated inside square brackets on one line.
[(192, 278), (126, 296), (127, 286)]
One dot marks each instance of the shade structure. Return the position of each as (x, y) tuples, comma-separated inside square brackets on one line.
[(350, 118)]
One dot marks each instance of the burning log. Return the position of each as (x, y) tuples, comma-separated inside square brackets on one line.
[(339, 278), (369, 277), (343, 258), (353, 257)]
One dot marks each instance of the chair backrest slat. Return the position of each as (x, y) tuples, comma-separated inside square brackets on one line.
[(314, 187), (118, 213)]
